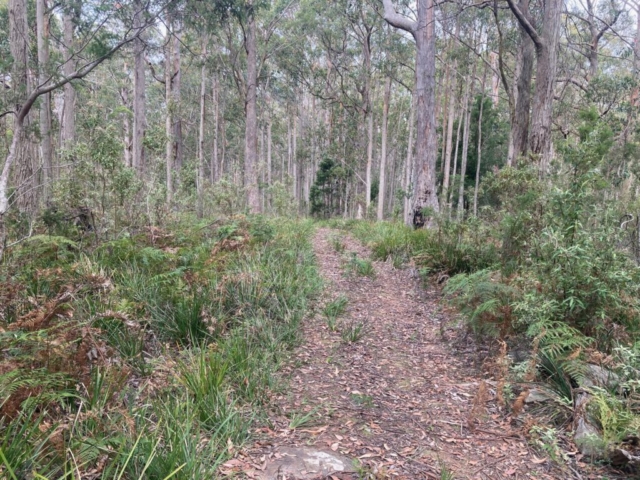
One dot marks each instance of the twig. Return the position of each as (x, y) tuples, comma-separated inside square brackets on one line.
[(491, 464)]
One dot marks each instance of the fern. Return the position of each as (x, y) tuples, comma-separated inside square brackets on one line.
[(483, 299), (53, 241)]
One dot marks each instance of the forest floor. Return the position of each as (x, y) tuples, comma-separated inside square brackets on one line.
[(410, 399)]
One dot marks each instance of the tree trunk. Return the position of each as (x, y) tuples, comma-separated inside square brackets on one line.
[(294, 159), (176, 100), (223, 144), (455, 160), (251, 125), (368, 115), (45, 106), (468, 95), (139, 93), (449, 141), (168, 122), (423, 31), (408, 167), (18, 138), (495, 79), (479, 157), (634, 100), (126, 125), (547, 56), (546, 46), (214, 169), (203, 94), (68, 131), (289, 147), (520, 112), (383, 149), (25, 182)]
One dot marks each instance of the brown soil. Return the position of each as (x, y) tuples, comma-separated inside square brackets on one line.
[(403, 400)]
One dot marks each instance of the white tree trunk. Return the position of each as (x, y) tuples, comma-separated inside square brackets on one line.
[(383, 149), (251, 124), (139, 93), (479, 158), (215, 167), (408, 167), (465, 141), (68, 131), (46, 149), (203, 94), (168, 122)]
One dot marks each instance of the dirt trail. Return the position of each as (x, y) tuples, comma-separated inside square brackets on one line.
[(400, 399)]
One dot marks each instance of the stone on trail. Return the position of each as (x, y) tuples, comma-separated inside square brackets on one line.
[(305, 464)]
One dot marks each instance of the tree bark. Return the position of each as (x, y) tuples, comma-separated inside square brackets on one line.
[(409, 162), (495, 79), (383, 149), (547, 56), (479, 156), (251, 125), (294, 158), (68, 131), (423, 31), (203, 94), (42, 26), (176, 99), (468, 95), (139, 92), (214, 168), (449, 140), (168, 122), (520, 111), (25, 182), (455, 159), (126, 124), (546, 46), (269, 142)]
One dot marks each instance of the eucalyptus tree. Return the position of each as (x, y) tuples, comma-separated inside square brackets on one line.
[(249, 44), (546, 45), (46, 146), (107, 30), (423, 31)]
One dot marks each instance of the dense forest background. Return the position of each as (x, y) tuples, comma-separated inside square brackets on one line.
[(160, 160), (133, 111)]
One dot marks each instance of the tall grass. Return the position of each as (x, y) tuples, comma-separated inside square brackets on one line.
[(169, 355)]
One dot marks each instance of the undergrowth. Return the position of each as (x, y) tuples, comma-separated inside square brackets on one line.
[(547, 268), (147, 356)]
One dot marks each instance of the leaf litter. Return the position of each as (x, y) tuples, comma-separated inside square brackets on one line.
[(403, 401)]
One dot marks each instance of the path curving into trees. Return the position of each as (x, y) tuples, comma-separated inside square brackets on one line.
[(402, 401)]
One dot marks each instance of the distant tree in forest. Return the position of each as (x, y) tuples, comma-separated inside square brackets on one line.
[(328, 192)]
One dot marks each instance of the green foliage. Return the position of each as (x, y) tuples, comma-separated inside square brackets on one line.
[(300, 420), (150, 303), (484, 301), (333, 309), (353, 332), (390, 240), (362, 267), (329, 189), (337, 241), (456, 247)]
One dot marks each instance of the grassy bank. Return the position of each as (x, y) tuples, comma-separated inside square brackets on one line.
[(148, 356)]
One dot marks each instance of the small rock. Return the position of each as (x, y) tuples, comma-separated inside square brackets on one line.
[(537, 395), (305, 464), (586, 436), (597, 376)]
